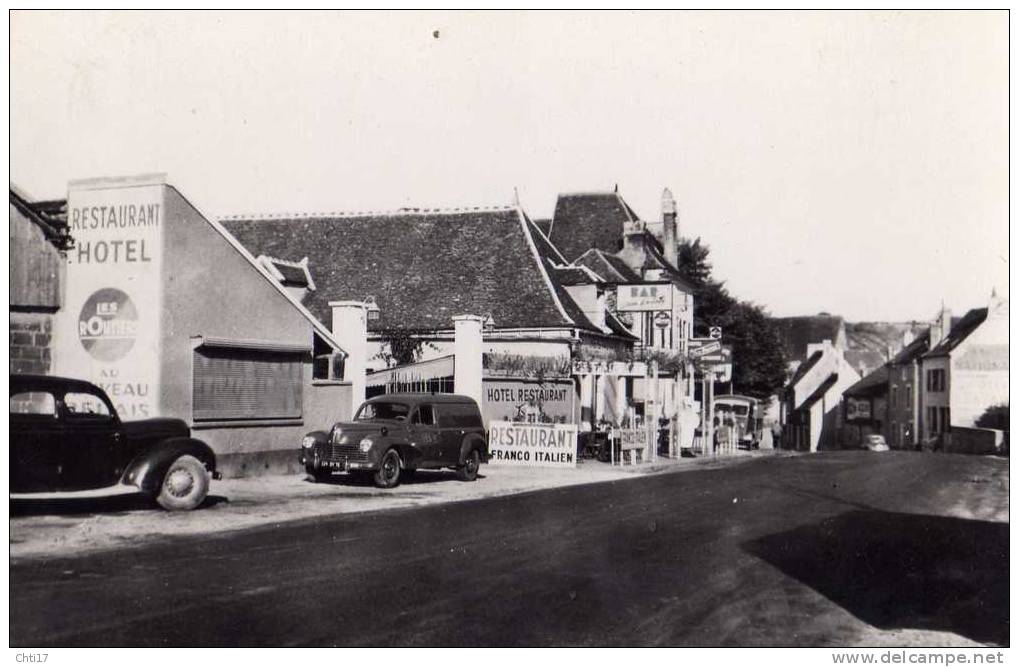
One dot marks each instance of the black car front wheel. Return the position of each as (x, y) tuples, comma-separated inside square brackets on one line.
[(185, 485), (388, 474)]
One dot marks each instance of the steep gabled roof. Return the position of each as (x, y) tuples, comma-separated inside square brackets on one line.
[(552, 261), (913, 351), (799, 332), (422, 267), (609, 267), (821, 390), (873, 384), (865, 361), (589, 220), (959, 332), (804, 368), (576, 275)]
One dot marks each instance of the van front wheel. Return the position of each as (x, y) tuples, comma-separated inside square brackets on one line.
[(468, 472), (388, 474)]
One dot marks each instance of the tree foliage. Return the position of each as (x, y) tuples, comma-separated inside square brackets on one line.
[(995, 417), (400, 346), (759, 363)]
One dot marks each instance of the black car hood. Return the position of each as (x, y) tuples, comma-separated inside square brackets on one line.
[(157, 427)]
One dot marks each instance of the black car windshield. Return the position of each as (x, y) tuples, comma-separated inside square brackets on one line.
[(382, 410)]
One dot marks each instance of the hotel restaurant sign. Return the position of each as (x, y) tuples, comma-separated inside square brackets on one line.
[(644, 297), (109, 328)]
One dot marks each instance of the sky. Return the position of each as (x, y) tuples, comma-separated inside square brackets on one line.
[(853, 163)]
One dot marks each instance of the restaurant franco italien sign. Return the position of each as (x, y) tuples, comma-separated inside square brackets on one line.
[(532, 445), (644, 296)]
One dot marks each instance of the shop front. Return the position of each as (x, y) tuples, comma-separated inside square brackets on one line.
[(173, 318)]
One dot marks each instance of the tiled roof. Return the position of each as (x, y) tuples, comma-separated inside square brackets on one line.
[(914, 350), (49, 216), (798, 332), (967, 325), (609, 267), (552, 258), (589, 220), (544, 224), (574, 275), (874, 383), (422, 267)]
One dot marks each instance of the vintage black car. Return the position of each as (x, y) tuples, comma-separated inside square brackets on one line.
[(397, 434), (66, 437)]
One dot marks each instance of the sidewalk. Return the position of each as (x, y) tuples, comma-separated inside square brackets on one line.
[(47, 528)]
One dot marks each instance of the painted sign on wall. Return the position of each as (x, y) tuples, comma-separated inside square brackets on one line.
[(108, 331), (857, 409), (527, 401), (535, 445), (644, 296)]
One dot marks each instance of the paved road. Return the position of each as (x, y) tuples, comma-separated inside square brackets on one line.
[(816, 550)]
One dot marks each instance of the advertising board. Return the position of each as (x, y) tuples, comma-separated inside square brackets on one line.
[(857, 409), (644, 296), (108, 331), (532, 445)]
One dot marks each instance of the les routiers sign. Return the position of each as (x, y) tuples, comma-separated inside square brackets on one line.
[(108, 331), (534, 445)]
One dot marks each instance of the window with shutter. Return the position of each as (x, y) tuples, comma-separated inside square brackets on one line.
[(246, 384)]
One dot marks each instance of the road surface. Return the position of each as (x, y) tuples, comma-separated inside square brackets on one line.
[(830, 549)]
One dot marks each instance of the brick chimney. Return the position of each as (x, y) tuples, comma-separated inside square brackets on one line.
[(634, 251), (670, 228)]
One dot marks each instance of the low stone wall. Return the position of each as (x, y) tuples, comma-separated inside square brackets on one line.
[(966, 440)]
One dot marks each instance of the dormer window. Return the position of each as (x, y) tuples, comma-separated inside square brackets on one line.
[(295, 276)]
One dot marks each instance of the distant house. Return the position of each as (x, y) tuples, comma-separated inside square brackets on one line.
[(865, 406), (810, 405), (39, 238), (905, 396), (965, 371)]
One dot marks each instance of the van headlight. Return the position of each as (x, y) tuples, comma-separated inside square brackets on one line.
[(308, 442), (366, 444)]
